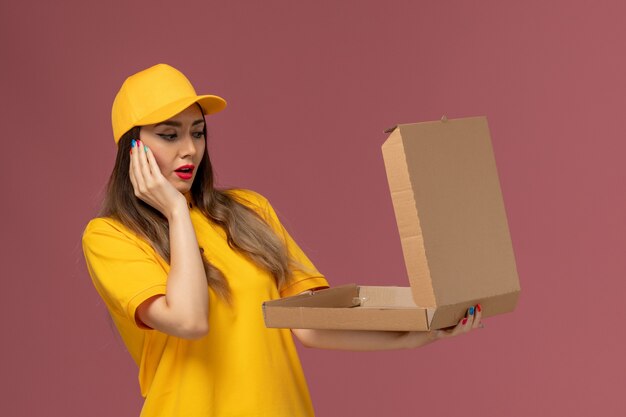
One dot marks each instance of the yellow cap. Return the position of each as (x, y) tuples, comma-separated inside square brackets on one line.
[(154, 95)]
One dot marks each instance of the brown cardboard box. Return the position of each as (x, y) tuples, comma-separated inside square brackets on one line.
[(454, 232)]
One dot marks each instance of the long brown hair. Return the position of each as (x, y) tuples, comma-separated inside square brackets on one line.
[(246, 231)]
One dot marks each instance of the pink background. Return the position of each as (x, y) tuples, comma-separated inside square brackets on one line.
[(311, 86)]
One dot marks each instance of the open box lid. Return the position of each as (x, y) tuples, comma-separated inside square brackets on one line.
[(451, 218)]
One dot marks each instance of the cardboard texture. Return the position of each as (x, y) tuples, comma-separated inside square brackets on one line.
[(455, 239)]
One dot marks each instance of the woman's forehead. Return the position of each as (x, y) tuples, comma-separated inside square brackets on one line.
[(191, 113)]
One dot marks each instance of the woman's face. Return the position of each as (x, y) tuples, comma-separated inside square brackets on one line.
[(178, 145)]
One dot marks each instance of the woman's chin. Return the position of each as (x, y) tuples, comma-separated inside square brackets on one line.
[(184, 186)]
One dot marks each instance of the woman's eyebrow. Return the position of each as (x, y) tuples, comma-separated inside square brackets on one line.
[(177, 124)]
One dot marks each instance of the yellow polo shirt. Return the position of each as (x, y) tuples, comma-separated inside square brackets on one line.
[(240, 368)]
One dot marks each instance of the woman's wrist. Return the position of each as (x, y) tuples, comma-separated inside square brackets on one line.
[(418, 339), (178, 209)]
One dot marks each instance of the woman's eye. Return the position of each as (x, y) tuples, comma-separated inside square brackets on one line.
[(198, 135), (168, 137)]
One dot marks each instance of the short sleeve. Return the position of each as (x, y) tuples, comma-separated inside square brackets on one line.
[(124, 269), (305, 274)]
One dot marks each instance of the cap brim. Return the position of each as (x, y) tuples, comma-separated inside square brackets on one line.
[(210, 104)]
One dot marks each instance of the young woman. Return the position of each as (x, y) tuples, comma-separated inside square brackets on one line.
[(184, 267)]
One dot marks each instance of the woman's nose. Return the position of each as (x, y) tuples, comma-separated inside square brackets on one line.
[(188, 146)]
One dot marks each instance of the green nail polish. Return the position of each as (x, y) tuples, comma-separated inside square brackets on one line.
[(145, 148)]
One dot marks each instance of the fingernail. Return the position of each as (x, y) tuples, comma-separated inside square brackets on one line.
[(478, 308), (133, 143), (471, 310), (464, 321), (145, 148)]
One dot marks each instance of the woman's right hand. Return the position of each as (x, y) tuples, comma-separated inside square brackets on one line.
[(149, 183)]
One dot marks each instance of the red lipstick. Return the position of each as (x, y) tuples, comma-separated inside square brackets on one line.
[(185, 172)]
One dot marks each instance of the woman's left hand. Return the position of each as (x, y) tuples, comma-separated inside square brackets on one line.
[(472, 320)]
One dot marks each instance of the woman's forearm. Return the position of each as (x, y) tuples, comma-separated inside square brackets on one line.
[(183, 310), (362, 340), (187, 293)]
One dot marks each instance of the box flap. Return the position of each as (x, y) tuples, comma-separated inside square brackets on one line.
[(453, 228), (407, 218), (341, 296), (449, 315)]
